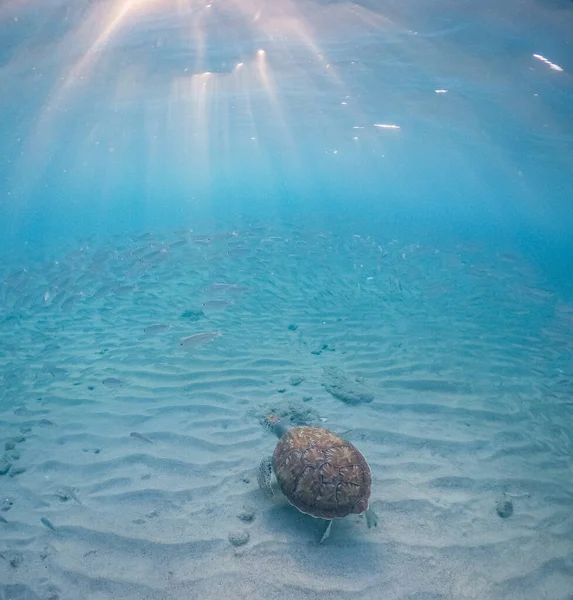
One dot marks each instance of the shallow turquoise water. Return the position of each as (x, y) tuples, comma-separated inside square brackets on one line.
[(374, 196)]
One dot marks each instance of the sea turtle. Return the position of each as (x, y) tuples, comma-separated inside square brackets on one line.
[(319, 473)]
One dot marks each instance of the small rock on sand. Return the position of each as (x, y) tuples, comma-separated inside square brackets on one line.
[(342, 387), (504, 507), (4, 466), (15, 559), (7, 504), (296, 380), (239, 538), (246, 515)]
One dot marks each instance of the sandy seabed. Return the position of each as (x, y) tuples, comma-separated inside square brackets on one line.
[(129, 457)]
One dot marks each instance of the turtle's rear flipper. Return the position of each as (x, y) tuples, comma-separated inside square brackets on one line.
[(326, 533), (264, 476), (371, 518)]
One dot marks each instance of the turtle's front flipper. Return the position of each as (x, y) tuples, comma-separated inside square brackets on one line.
[(326, 532), (264, 476), (371, 518)]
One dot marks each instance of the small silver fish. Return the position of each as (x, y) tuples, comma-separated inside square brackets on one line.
[(100, 257), (157, 328), (234, 288), (124, 289), (59, 298), (56, 372), (140, 436), (67, 304), (67, 490), (139, 251), (202, 240), (111, 381), (217, 304), (103, 291), (47, 523), (238, 251), (199, 339), (221, 287)]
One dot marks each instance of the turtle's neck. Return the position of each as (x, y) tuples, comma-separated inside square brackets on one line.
[(280, 428)]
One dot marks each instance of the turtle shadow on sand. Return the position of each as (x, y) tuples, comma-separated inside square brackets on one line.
[(351, 548)]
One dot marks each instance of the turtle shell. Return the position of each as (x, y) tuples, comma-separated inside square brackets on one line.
[(321, 474)]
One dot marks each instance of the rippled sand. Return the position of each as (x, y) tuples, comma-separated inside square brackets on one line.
[(130, 456)]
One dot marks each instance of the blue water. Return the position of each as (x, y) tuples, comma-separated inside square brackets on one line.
[(382, 190)]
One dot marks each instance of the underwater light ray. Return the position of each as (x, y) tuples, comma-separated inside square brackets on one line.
[(242, 76), (94, 33), (373, 20), (189, 114), (266, 78), (290, 23)]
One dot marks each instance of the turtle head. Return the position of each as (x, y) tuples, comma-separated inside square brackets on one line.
[(276, 425)]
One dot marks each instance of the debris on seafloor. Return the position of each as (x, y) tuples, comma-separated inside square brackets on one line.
[(340, 385), (322, 348)]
